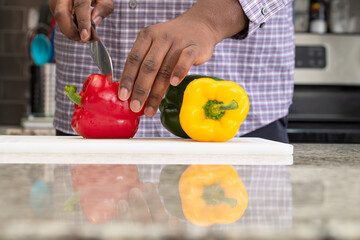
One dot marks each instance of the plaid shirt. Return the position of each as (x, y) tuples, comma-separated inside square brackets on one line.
[(261, 59)]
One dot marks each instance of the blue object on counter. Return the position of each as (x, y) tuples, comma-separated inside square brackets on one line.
[(40, 196), (41, 49)]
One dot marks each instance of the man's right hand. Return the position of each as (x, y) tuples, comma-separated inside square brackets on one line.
[(145, 206), (63, 11)]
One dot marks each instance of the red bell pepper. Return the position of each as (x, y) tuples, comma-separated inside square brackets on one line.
[(99, 113), (99, 188)]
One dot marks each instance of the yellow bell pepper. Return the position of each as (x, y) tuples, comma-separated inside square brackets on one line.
[(212, 110), (212, 194)]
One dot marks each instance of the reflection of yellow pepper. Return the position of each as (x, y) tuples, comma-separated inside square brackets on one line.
[(212, 194), (213, 110)]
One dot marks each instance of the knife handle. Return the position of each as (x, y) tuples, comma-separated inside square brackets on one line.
[(93, 30)]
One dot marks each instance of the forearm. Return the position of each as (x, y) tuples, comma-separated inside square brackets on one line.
[(224, 17)]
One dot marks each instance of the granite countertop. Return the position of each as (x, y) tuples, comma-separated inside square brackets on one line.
[(318, 197)]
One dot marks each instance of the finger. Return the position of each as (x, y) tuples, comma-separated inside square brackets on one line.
[(156, 208), (176, 222), (133, 63), (138, 208), (147, 74), (161, 83), (124, 211), (183, 65), (82, 11), (102, 8), (64, 19), (52, 5)]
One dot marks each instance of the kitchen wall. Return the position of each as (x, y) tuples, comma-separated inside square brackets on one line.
[(14, 59)]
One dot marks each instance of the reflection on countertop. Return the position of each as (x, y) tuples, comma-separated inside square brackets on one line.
[(316, 198)]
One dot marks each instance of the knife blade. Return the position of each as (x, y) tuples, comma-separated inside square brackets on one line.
[(99, 53)]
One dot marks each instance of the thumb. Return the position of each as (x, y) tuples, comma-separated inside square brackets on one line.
[(102, 8)]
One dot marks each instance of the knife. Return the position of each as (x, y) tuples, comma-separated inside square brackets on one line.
[(98, 52)]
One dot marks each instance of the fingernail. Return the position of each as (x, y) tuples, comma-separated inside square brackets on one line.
[(123, 206), (135, 194), (174, 81), (97, 20), (147, 187), (135, 106), (173, 221), (84, 34), (123, 94), (149, 111)]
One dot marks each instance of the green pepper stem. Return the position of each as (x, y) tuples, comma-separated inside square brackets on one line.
[(214, 194), (231, 106), (69, 205), (215, 110), (70, 91)]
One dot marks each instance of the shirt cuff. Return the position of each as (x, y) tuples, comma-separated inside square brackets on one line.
[(258, 12)]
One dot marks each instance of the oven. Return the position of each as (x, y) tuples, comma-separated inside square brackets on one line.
[(326, 103)]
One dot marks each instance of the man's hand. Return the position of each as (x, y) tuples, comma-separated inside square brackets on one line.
[(145, 206), (164, 53), (63, 11)]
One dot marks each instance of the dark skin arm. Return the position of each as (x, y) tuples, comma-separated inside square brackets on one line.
[(164, 53)]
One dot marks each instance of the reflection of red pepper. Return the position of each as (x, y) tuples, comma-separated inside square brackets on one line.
[(98, 111), (99, 188)]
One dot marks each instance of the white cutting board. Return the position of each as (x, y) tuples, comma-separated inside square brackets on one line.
[(70, 150)]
